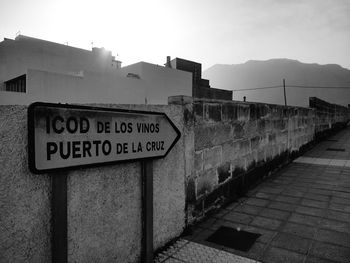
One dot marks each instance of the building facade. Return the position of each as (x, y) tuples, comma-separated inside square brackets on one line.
[(37, 70), (200, 87)]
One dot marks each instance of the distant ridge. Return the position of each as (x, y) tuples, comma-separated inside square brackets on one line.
[(256, 73)]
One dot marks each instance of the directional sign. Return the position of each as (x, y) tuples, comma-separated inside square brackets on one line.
[(62, 136)]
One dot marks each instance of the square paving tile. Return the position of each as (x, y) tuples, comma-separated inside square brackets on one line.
[(339, 207), (304, 219), (310, 211), (257, 202), (317, 197), (336, 238), (314, 203), (335, 225), (337, 215), (300, 230), (312, 259), (288, 199), (282, 206), (275, 214), (330, 252), (238, 217), (249, 209), (263, 195), (291, 242), (268, 223), (293, 193)]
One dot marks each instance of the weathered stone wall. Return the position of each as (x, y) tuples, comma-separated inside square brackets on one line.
[(104, 203), (328, 115), (234, 138)]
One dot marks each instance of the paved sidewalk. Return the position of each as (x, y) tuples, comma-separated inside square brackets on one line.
[(302, 214)]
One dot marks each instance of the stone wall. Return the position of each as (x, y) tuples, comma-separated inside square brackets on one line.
[(328, 115), (239, 143), (104, 203)]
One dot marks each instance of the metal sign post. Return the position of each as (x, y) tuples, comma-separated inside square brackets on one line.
[(59, 218), (147, 211), (62, 137)]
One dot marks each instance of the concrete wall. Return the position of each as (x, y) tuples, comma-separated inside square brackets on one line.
[(161, 82), (104, 204), (94, 87), (16, 56)]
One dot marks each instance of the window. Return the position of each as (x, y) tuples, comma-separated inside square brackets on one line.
[(17, 84)]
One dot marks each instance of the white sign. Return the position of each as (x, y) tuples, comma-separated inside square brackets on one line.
[(63, 136)]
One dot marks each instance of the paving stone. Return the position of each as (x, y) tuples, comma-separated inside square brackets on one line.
[(275, 214), (266, 222), (291, 242), (265, 195), (238, 217), (335, 225), (257, 202), (339, 207), (312, 259), (293, 193), (300, 230), (310, 211), (271, 190), (279, 255), (288, 199), (331, 252), (317, 197), (282, 206), (333, 237), (321, 192), (304, 219), (340, 216), (314, 203), (257, 250), (249, 209), (339, 200)]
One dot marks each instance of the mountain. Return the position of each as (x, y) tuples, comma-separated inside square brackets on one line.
[(255, 74)]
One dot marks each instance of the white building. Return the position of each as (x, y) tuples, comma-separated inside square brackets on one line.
[(37, 70)]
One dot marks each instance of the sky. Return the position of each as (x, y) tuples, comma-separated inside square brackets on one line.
[(206, 31)]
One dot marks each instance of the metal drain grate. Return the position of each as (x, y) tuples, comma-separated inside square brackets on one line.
[(335, 149), (232, 238)]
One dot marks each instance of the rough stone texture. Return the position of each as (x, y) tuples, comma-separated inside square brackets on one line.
[(206, 181), (248, 136), (24, 197), (104, 203)]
